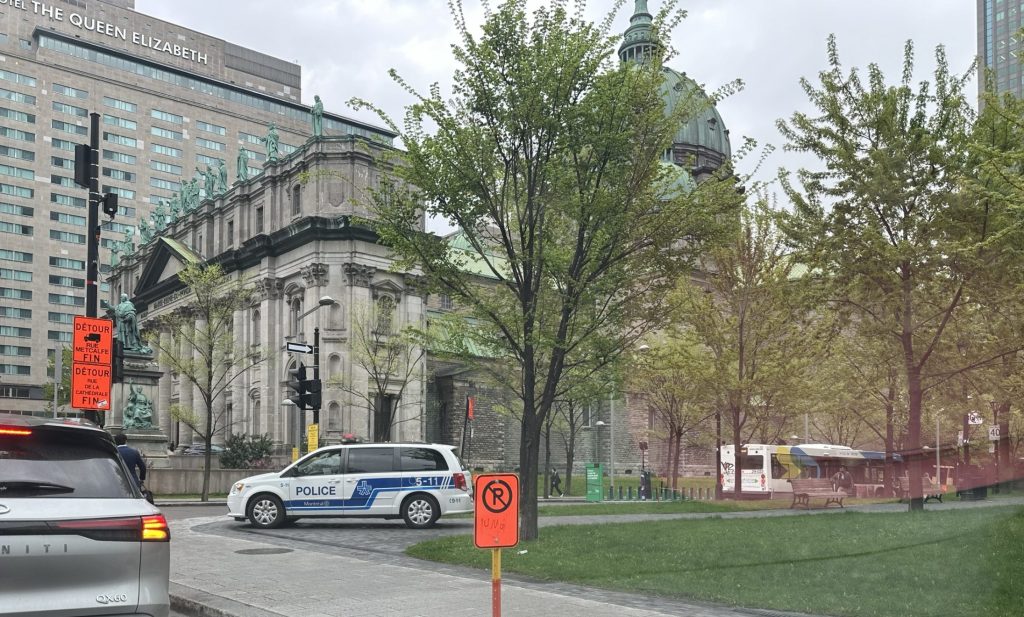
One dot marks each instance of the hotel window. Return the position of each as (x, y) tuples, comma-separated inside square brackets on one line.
[(17, 97), (250, 138), (58, 335), (120, 228), (17, 172), (10, 274), (167, 168), (67, 127), (119, 174), (15, 228), (13, 312), (210, 144), (123, 123), (210, 128), (121, 140), (167, 185), (166, 116), (17, 78), (55, 317), (6, 131), (68, 219), (119, 104), (66, 263), (74, 110), (19, 256), (62, 144), (66, 300), (68, 200), (165, 150), (19, 116), (69, 91), (67, 281), (63, 163), (16, 209), (17, 153), (126, 193), (15, 369), (119, 157), (16, 191), (212, 161), (15, 350), (166, 133), (67, 236), (14, 392), (64, 181), (16, 331), (15, 294)]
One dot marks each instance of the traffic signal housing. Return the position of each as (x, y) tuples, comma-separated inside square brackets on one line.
[(298, 383), (117, 362), (110, 204), (83, 161)]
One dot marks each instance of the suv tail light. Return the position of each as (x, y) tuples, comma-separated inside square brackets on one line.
[(16, 431), (134, 529), (460, 480)]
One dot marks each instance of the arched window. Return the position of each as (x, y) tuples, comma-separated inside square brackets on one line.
[(385, 314), (334, 417), (293, 316), (334, 367), (255, 327), (296, 200)]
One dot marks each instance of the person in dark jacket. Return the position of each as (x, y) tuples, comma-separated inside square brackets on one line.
[(132, 458), (556, 482)]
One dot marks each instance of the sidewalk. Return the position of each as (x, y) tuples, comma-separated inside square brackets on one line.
[(218, 576)]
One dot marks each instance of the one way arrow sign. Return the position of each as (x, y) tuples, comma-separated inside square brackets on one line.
[(300, 348)]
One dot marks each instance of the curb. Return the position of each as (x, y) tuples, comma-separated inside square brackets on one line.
[(185, 502), (202, 604)]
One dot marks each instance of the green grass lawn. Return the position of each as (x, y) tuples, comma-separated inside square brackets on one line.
[(966, 562)]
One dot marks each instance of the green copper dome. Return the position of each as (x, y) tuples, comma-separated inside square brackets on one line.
[(702, 142)]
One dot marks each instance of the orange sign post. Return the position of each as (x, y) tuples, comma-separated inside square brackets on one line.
[(496, 522), (92, 345)]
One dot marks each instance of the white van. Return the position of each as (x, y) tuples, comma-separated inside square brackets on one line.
[(414, 481)]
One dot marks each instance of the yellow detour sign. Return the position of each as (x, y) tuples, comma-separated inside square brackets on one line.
[(295, 454), (312, 437), (496, 510)]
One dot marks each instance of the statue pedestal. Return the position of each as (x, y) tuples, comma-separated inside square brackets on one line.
[(152, 443), (142, 374)]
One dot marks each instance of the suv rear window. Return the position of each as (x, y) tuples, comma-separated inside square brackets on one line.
[(49, 464), (423, 459)]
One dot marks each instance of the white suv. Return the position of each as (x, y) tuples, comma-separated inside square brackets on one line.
[(76, 536), (417, 482)]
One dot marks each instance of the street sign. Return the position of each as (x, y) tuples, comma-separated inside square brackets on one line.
[(90, 386), (299, 347), (496, 510), (312, 437), (993, 433), (595, 482), (92, 341), (974, 419)]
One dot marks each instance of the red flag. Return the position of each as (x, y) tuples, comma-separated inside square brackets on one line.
[(469, 407)]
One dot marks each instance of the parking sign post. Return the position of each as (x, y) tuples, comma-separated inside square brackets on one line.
[(496, 523)]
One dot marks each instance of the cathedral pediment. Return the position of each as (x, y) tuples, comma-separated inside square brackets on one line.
[(160, 275)]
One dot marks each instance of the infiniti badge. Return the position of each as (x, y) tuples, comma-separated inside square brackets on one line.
[(4, 509)]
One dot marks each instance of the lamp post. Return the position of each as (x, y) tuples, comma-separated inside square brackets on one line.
[(611, 450), (324, 301)]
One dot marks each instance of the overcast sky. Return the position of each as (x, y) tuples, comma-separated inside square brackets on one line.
[(345, 47)]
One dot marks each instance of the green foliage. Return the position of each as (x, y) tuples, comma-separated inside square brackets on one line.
[(247, 451), (547, 158), (64, 394)]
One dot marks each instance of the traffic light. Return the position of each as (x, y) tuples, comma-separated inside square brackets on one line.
[(298, 384), (83, 161), (117, 363), (110, 204), (313, 387)]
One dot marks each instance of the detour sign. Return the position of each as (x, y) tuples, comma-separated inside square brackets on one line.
[(496, 510)]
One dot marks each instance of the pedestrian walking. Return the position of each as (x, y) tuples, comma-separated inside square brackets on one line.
[(135, 462), (556, 482)]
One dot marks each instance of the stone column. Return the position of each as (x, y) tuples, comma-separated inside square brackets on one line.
[(184, 397), (166, 423)]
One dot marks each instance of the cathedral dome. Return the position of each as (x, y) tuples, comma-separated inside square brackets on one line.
[(701, 143)]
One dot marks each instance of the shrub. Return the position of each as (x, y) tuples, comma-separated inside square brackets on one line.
[(247, 452)]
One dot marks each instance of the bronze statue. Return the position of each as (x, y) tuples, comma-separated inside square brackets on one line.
[(138, 413), (243, 165), (271, 140), (127, 324), (317, 113)]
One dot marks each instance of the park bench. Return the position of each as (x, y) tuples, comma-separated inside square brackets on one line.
[(928, 490), (806, 489)]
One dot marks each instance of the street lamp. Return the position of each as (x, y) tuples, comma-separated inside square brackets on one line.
[(611, 445)]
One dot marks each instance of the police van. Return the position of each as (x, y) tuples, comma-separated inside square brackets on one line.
[(414, 481)]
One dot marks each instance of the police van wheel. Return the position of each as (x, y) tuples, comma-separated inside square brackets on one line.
[(266, 512), (420, 511)]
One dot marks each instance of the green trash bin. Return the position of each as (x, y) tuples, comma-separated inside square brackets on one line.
[(595, 482)]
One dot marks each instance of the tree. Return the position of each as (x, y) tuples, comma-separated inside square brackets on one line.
[(890, 224), (547, 158), (202, 349), (676, 393), (390, 360), (745, 331), (64, 391)]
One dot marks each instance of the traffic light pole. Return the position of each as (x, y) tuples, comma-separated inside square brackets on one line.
[(93, 234), (316, 373)]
